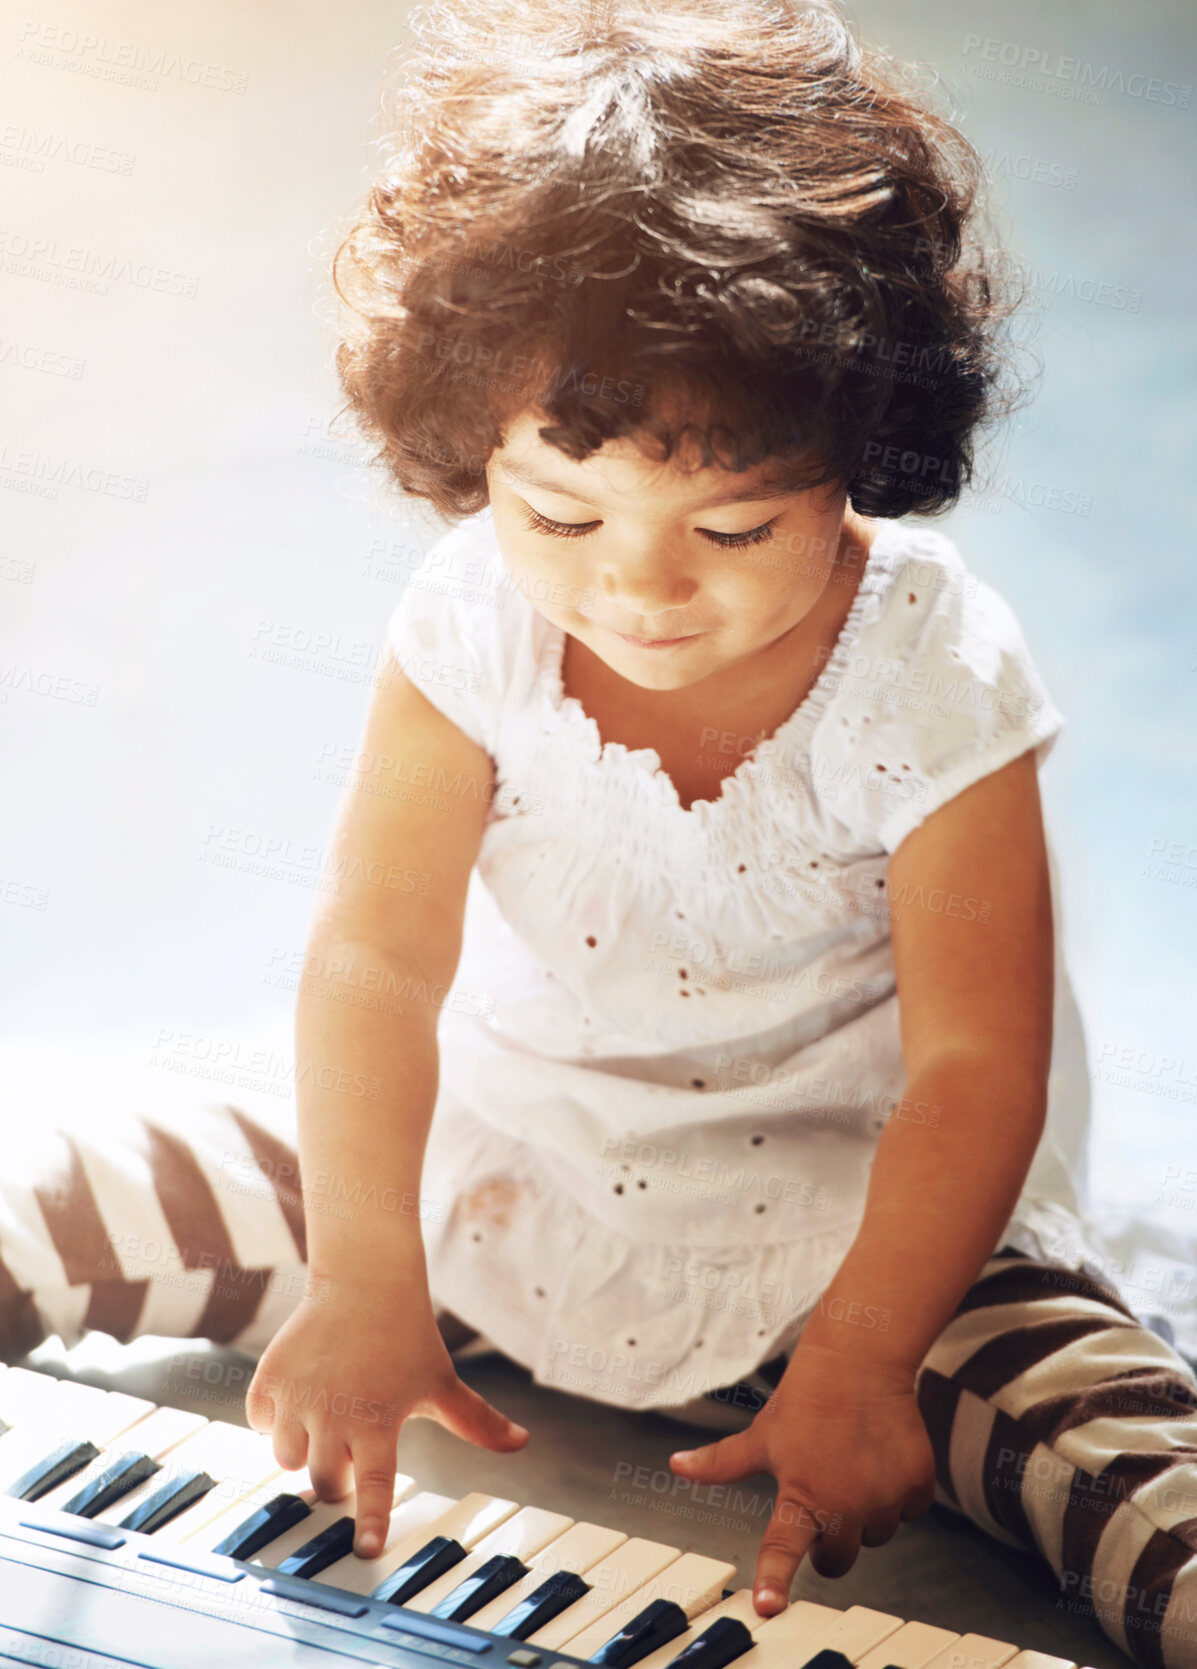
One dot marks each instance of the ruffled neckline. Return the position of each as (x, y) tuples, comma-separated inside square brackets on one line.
[(887, 541)]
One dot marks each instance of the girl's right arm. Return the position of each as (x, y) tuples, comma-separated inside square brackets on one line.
[(362, 1351)]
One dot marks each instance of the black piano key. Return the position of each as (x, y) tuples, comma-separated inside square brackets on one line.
[(563, 1589), (486, 1583), (826, 1659), (660, 1621), (281, 1513), (166, 1503), (411, 1578), (725, 1641), (53, 1469), (112, 1484), (322, 1551)]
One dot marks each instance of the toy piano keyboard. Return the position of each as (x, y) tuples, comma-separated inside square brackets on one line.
[(133, 1534)]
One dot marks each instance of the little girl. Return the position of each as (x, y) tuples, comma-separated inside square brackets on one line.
[(693, 920)]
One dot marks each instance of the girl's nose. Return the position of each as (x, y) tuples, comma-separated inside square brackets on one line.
[(646, 590)]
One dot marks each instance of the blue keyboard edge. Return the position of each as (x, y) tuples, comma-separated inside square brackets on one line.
[(111, 1554)]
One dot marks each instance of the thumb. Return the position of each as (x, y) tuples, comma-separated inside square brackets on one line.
[(721, 1463), (259, 1405), (468, 1415)]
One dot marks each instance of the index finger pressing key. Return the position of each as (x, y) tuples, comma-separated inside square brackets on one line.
[(784, 1545), (374, 1468)]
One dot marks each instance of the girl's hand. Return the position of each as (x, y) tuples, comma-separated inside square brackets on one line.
[(337, 1382), (843, 1436)]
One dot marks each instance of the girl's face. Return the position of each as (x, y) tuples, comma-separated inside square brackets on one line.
[(668, 578)]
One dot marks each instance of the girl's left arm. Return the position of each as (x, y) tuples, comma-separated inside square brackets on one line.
[(974, 954), (970, 902)]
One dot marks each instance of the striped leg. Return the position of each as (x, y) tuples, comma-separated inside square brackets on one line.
[(189, 1227), (192, 1228), (1061, 1425)]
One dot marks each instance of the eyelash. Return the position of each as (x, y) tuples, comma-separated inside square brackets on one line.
[(578, 530)]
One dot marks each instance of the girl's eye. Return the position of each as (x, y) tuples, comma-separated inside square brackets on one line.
[(562, 530), (578, 530), (737, 541)]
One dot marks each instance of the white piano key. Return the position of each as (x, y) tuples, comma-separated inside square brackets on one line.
[(39, 1435), (160, 1431), (465, 1521), (322, 1515), (24, 1395), (65, 1411), (739, 1606), (912, 1647), (693, 1582), (857, 1631), (973, 1651), (524, 1534), (203, 1529), (793, 1636), (218, 1449), (101, 1416), (31, 1401), (407, 1531), (23, 1449), (247, 1475), (474, 1517), (611, 1582), (578, 1550), (163, 1431)]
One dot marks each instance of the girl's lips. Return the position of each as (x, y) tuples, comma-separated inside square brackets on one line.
[(658, 642)]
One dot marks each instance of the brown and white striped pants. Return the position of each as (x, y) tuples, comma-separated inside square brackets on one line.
[(1059, 1423)]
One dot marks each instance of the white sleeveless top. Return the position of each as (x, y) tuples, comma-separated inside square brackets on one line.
[(672, 1040)]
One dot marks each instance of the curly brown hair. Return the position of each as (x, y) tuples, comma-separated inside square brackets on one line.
[(669, 219)]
